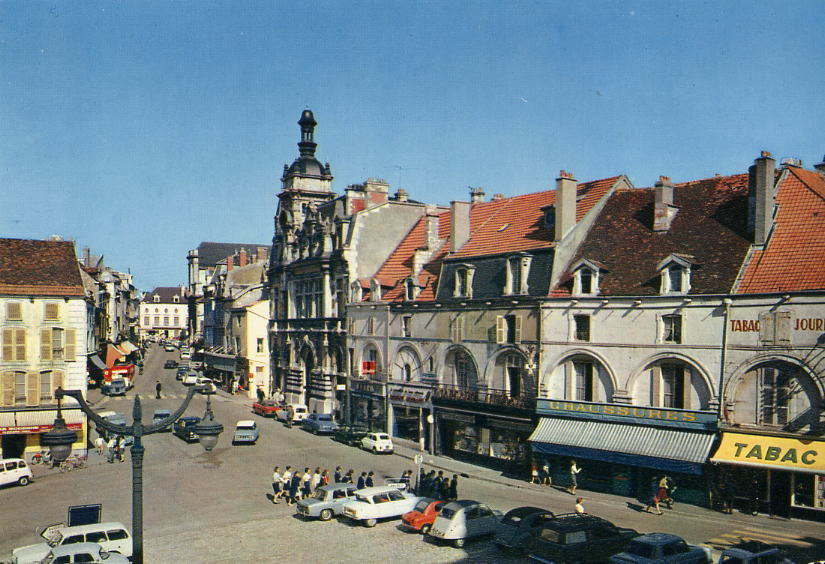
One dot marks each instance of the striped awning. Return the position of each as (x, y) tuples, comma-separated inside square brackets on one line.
[(47, 417), (97, 361), (127, 346), (668, 449)]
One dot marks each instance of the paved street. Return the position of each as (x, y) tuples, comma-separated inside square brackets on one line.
[(213, 507)]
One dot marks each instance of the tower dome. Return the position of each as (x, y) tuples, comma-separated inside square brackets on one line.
[(306, 165)]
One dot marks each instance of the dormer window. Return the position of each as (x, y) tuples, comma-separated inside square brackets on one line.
[(515, 281), (464, 281), (675, 273), (586, 277), (410, 289), (175, 299), (375, 290), (550, 218), (675, 281), (156, 298), (355, 292)]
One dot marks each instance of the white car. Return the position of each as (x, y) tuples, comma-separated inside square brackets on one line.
[(377, 442), (379, 502), (190, 379), (294, 411), (111, 536), (185, 355), (211, 388), (83, 552)]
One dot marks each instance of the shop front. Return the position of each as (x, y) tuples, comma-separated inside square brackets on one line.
[(221, 368), (410, 408), (621, 449), (20, 430), (781, 475), (368, 404)]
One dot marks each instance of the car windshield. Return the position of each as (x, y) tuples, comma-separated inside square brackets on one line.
[(641, 549), (363, 498), (448, 512), (383, 437), (324, 418), (421, 506)]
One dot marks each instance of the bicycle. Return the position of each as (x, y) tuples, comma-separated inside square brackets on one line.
[(73, 462), (42, 457)]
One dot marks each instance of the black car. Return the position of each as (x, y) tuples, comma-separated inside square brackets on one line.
[(170, 364), (185, 428), (518, 525), (573, 537), (350, 435)]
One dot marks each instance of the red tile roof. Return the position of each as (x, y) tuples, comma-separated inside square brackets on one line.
[(34, 267), (794, 257), (710, 226)]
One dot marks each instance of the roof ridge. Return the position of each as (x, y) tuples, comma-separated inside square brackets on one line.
[(795, 171)]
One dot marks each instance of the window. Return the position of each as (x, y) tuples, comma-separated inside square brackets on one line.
[(550, 218), (166, 321), (308, 298), (775, 328), (176, 299), (19, 388), (406, 326), (410, 290), (14, 311), (259, 347), (14, 344), (407, 373), (775, 395), (117, 534), (431, 365), (514, 275), (157, 320), (673, 386), (464, 282), (672, 329), (52, 312), (177, 322), (156, 299), (508, 329), (146, 321), (675, 276), (584, 380), (371, 326), (457, 329), (586, 281), (514, 371), (581, 327), (45, 386), (464, 370)]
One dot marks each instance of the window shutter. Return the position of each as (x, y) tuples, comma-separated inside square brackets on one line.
[(71, 350), (569, 380), (525, 271), (8, 344), (52, 311), (7, 389), (655, 386), (782, 328), (470, 275), (14, 311), (57, 381), (460, 328), (20, 344), (518, 329), (45, 344), (501, 329), (687, 383), (766, 330), (32, 388)]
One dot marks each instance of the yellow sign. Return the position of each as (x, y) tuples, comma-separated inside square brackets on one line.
[(772, 452)]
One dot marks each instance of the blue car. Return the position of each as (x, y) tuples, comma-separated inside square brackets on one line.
[(185, 428), (320, 423)]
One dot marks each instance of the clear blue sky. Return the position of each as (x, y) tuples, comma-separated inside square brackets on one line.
[(142, 128)]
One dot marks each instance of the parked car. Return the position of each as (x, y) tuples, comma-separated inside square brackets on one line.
[(161, 414), (185, 428), (662, 548), (246, 431), (571, 537), (14, 471), (205, 385), (111, 537), (266, 408), (181, 373), (423, 515), (169, 348), (170, 364), (327, 501), (116, 387), (350, 435), (190, 379), (379, 502), (294, 412), (319, 423), (377, 442), (462, 520), (184, 355), (753, 552), (518, 525), (83, 552)]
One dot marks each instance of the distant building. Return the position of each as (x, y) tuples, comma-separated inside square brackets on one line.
[(163, 312)]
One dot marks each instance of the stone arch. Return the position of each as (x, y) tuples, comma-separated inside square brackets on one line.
[(364, 355), (602, 378), (460, 368), (307, 360), (698, 395), (406, 366), (507, 370)]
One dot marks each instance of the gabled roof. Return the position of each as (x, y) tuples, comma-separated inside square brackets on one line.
[(794, 257), (166, 294), (35, 267), (710, 226), (210, 254)]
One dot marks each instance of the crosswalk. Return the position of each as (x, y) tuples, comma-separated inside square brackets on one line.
[(787, 541), (164, 396)]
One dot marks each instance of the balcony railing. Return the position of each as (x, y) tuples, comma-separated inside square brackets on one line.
[(490, 396)]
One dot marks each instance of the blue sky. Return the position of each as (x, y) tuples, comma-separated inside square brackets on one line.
[(140, 129)]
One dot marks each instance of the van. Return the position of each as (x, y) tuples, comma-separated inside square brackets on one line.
[(111, 536), (14, 471)]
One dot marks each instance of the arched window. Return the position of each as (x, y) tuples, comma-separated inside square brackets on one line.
[(513, 374), (464, 373), (777, 394)]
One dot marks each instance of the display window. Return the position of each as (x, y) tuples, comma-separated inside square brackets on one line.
[(809, 491), (466, 439)]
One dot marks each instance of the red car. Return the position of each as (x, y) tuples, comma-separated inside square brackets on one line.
[(266, 408), (421, 518)]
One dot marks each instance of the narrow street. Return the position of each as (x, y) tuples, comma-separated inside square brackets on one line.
[(213, 507)]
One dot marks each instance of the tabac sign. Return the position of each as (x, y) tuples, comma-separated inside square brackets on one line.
[(772, 452), (659, 416)]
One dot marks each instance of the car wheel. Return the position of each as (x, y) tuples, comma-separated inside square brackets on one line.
[(370, 522), (326, 514), (458, 543), (425, 529), (23, 481)]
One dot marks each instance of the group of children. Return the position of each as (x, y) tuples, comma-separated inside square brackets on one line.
[(293, 485)]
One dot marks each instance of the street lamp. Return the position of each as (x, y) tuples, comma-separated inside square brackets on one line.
[(60, 440)]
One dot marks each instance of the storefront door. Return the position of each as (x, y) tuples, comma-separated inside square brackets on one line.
[(780, 494), (13, 446)]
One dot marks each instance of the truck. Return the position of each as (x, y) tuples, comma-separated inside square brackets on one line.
[(125, 371)]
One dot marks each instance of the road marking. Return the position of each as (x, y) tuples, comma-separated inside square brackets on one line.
[(742, 535)]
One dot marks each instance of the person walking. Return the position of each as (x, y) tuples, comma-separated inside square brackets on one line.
[(111, 446), (316, 479), (286, 482), (121, 448), (453, 495), (260, 395), (339, 476), (580, 506), (544, 474), (370, 481), (294, 487), (574, 471), (306, 481), (348, 476), (664, 492), (534, 475), (276, 484), (325, 477), (362, 481), (653, 499), (157, 390)]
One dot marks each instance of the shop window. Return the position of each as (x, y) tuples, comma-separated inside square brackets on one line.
[(673, 386), (14, 344), (14, 311), (672, 329), (584, 380), (406, 326), (581, 327), (508, 329), (809, 490), (775, 396)]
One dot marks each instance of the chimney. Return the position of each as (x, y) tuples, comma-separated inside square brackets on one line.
[(497, 197), (431, 228), (663, 209), (377, 191), (566, 186), (230, 262), (760, 198), (820, 167), (476, 195), (86, 257), (242, 257), (459, 224), (402, 195), (262, 254)]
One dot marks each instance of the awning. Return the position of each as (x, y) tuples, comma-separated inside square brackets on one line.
[(37, 421), (634, 445), (97, 361), (778, 453), (127, 346), (6, 419)]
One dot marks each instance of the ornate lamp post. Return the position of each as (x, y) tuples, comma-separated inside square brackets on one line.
[(60, 440)]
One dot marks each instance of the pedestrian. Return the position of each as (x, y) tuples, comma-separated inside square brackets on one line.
[(111, 446), (286, 481), (294, 486), (453, 488), (663, 493), (348, 476), (260, 395), (653, 497), (316, 479), (544, 474), (325, 477), (339, 476), (579, 506), (534, 475), (306, 483), (121, 448), (574, 470), (100, 445), (438, 484), (157, 390), (445, 488), (362, 481), (729, 495), (276, 484)]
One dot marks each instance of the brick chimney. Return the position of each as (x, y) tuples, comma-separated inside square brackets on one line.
[(497, 197), (262, 254), (402, 195), (663, 209), (761, 197), (566, 186), (230, 262), (459, 224), (476, 195), (377, 191), (242, 257)]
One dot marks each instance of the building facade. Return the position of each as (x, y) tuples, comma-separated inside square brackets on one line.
[(164, 313)]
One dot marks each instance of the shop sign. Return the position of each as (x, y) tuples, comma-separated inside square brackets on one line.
[(659, 416), (367, 387), (23, 429), (773, 452), (408, 396), (460, 417)]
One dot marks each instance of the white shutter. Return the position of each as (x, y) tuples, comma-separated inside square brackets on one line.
[(71, 349), (8, 344), (32, 389), (57, 381), (14, 311), (518, 329), (501, 329), (766, 329), (45, 344), (782, 328)]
